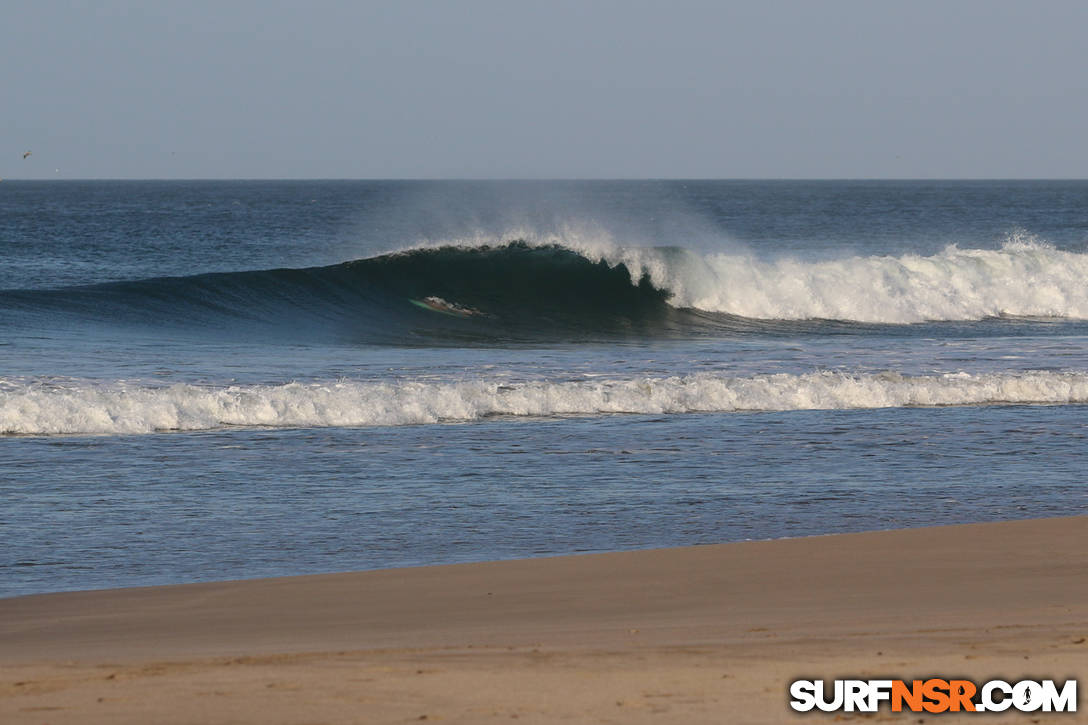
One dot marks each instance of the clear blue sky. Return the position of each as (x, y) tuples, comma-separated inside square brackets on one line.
[(581, 89)]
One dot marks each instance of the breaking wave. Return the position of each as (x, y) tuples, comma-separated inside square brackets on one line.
[(525, 290), (50, 407)]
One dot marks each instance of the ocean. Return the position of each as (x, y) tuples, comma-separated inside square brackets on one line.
[(204, 380)]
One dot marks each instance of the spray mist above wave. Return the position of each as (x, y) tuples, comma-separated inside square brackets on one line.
[(88, 407)]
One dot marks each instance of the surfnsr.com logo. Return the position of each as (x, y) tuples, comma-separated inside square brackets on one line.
[(933, 695)]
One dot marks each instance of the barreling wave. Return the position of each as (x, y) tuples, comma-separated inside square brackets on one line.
[(523, 290), (88, 407)]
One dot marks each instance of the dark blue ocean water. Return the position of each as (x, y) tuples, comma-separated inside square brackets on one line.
[(210, 380)]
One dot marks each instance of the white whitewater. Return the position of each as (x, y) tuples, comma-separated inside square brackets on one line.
[(89, 407)]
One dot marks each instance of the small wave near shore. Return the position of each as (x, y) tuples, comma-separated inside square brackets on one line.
[(52, 407)]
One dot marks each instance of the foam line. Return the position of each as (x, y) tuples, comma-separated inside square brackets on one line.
[(31, 407)]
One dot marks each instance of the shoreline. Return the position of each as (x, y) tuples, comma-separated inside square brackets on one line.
[(476, 562), (514, 558), (710, 633)]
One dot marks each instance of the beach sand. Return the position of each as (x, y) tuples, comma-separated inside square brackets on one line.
[(706, 634)]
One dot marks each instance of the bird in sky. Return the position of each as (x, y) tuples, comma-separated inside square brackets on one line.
[(26, 154)]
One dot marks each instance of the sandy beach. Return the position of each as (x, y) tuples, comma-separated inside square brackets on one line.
[(708, 634)]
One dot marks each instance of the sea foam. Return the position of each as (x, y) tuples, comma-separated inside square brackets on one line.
[(53, 407), (956, 284)]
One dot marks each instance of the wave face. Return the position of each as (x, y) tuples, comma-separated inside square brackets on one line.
[(524, 290), (86, 407), (519, 290)]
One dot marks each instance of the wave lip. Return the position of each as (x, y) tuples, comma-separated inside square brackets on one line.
[(88, 407)]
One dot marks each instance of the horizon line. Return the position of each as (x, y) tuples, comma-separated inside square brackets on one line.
[(554, 178)]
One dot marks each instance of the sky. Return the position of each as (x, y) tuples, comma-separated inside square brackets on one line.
[(544, 89)]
